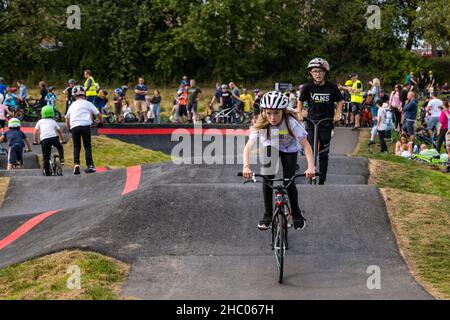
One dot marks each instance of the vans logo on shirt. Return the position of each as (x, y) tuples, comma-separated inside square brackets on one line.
[(320, 97)]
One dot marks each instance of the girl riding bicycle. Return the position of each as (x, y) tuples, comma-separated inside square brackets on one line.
[(277, 128)]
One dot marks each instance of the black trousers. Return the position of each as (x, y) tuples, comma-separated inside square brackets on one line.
[(324, 141), (47, 145), (382, 135), (440, 140), (289, 163), (398, 118), (79, 133)]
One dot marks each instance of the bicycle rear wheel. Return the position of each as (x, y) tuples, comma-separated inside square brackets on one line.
[(280, 244)]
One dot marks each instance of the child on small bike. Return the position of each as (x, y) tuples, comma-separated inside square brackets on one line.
[(4, 111), (50, 135), (17, 140), (278, 125), (11, 101)]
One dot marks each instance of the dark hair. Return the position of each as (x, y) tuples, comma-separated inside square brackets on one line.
[(379, 102), (89, 72)]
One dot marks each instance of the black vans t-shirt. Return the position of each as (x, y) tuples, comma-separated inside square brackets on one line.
[(227, 99), (321, 99)]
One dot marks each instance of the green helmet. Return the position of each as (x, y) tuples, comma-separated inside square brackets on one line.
[(47, 112), (14, 123)]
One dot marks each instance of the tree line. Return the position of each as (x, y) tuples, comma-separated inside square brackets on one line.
[(215, 39)]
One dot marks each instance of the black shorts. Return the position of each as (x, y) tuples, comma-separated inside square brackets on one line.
[(118, 110), (182, 111), (192, 107), (2, 123), (15, 154), (356, 108)]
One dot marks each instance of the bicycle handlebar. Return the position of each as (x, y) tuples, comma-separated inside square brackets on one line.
[(317, 122), (267, 180)]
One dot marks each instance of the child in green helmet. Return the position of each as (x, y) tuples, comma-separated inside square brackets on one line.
[(50, 135)]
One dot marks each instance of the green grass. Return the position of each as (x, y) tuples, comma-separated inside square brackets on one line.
[(46, 278), (418, 200), (408, 175), (115, 154)]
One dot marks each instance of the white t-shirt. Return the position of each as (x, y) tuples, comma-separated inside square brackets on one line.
[(280, 136), (47, 128), (383, 119), (434, 105), (80, 113)]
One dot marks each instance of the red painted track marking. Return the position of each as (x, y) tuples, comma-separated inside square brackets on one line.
[(133, 179), (170, 131), (132, 184), (27, 226)]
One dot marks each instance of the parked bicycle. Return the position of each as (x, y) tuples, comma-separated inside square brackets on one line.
[(282, 217)]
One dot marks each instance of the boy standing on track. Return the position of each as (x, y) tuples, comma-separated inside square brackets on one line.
[(50, 135), (321, 96), (79, 121)]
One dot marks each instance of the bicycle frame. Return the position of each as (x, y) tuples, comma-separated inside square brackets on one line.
[(316, 147)]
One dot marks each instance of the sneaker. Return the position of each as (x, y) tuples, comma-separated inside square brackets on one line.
[(91, 169), (264, 224), (300, 224), (371, 143), (77, 170)]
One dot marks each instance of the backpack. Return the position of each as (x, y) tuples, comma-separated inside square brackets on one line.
[(390, 119)]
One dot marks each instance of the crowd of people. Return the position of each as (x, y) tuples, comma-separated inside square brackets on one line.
[(362, 107)]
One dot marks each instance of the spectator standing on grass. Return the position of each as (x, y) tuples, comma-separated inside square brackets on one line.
[(216, 98), (68, 92), (23, 94), (156, 106), (422, 82), (411, 80), (375, 91), (90, 86), (410, 111), (3, 87), (443, 125), (431, 83), (435, 113), (247, 99), (382, 124), (194, 95), (141, 91), (43, 92)]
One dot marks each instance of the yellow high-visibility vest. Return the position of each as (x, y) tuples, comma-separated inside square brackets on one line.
[(92, 92), (357, 97)]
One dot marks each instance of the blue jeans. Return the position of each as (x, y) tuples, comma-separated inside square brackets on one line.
[(157, 112)]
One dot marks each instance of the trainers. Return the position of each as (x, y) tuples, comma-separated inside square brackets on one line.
[(76, 170), (264, 224), (300, 223), (91, 169), (371, 143)]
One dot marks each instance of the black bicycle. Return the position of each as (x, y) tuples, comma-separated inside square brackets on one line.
[(56, 167), (281, 220), (316, 147)]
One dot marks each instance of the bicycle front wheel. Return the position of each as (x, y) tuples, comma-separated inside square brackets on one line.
[(280, 245)]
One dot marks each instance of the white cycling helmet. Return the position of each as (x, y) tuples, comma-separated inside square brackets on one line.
[(78, 91), (274, 100), (319, 63), (14, 123)]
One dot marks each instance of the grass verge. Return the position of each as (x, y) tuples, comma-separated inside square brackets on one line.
[(417, 197), (4, 183), (47, 278), (114, 154)]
